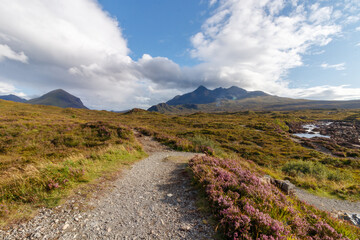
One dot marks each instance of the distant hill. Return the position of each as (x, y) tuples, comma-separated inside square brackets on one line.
[(13, 98), (59, 98), (135, 111), (202, 95), (256, 101), (166, 108)]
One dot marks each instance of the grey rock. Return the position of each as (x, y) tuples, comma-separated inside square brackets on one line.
[(353, 218), (286, 186)]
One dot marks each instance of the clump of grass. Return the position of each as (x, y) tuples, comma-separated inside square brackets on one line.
[(204, 144), (317, 170)]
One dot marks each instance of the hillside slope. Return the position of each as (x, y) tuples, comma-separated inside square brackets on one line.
[(58, 98)]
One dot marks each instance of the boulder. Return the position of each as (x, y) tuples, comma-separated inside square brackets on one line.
[(353, 218), (284, 185), (267, 179)]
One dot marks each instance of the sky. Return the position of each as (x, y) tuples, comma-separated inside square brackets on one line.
[(117, 55)]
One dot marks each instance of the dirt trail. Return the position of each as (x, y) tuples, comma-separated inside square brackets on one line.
[(153, 200)]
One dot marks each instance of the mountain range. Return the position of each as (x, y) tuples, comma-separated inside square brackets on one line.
[(237, 99), (58, 97), (231, 99), (202, 95)]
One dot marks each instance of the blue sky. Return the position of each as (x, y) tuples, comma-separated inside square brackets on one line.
[(342, 49), (158, 27), (122, 54)]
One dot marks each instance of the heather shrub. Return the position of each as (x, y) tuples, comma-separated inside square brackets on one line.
[(248, 208)]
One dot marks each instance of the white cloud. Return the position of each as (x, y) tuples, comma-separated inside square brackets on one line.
[(326, 92), (338, 67), (77, 46), (320, 14), (7, 88), (212, 2), (352, 19), (357, 29), (253, 46), (72, 44), (358, 45), (65, 32), (318, 52), (7, 52)]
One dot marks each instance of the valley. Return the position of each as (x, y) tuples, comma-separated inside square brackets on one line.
[(49, 154), (180, 120)]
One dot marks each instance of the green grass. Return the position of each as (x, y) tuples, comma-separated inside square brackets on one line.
[(317, 170)]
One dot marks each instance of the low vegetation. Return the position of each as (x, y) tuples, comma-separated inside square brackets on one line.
[(315, 170), (46, 152), (263, 138), (248, 208)]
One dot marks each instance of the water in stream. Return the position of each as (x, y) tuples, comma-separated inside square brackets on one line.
[(310, 133)]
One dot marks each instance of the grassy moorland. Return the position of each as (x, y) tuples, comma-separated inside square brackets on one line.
[(46, 152), (241, 148), (263, 138)]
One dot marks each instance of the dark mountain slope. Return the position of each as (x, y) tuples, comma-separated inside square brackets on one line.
[(59, 98), (255, 103), (13, 98), (202, 95)]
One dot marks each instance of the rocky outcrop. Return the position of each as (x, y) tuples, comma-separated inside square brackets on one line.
[(284, 185), (296, 127), (344, 133), (336, 138), (353, 218)]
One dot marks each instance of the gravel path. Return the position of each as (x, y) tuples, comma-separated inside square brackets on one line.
[(327, 204), (153, 200)]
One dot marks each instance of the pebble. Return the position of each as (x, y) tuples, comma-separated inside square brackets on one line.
[(65, 226)]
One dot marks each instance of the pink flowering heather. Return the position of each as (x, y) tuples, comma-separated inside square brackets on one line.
[(52, 184), (248, 208)]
